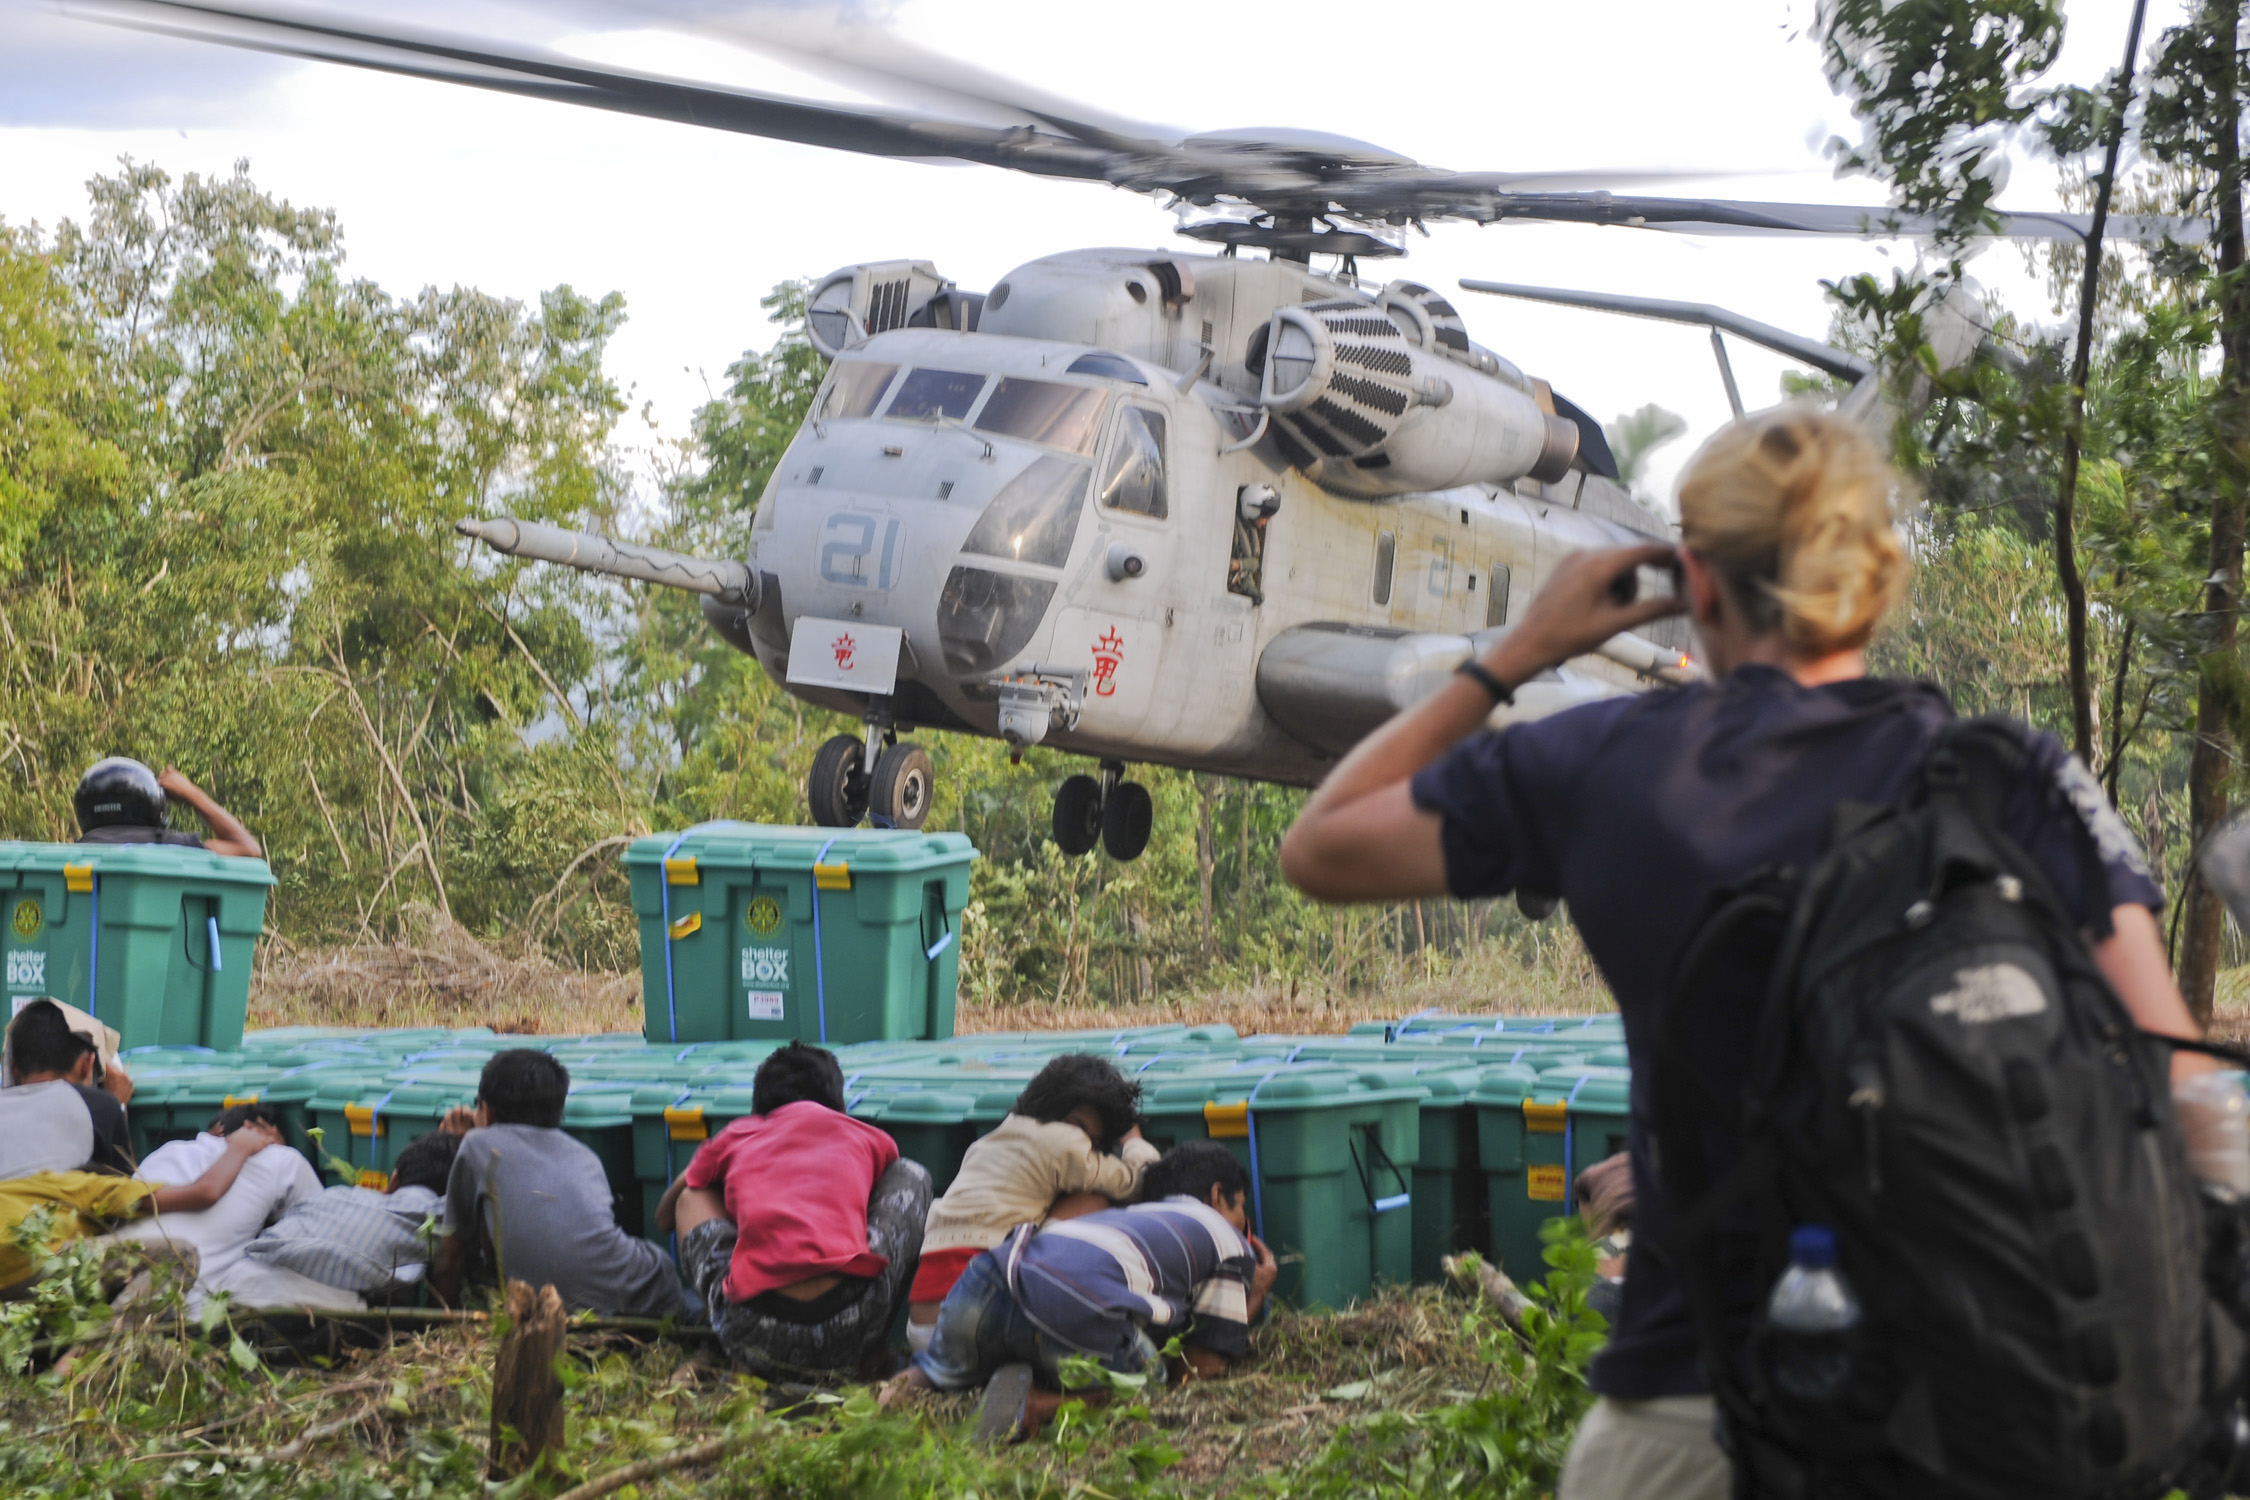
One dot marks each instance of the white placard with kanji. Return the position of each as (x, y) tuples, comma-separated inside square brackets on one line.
[(848, 654)]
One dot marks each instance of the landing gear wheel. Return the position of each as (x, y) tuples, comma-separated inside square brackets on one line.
[(899, 791), (1126, 819), (1078, 814), (837, 787)]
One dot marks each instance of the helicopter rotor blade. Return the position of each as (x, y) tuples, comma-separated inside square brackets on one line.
[(878, 61), (1297, 174), (1471, 198), (1826, 358), (534, 74)]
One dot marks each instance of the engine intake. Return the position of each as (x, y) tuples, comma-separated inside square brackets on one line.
[(1367, 408)]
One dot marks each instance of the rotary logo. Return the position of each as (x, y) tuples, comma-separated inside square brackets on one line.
[(28, 918), (763, 916)]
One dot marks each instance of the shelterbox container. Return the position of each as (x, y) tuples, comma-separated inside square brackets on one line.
[(1331, 1153), (1535, 1139), (755, 932), (152, 939)]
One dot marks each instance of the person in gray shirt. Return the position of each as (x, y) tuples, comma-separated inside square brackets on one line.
[(51, 1121), (525, 1202)]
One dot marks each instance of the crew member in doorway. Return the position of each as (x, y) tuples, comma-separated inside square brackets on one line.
[(121, 801)]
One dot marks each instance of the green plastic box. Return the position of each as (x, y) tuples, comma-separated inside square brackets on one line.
[(753, 932), (1452, 1194), (152, 939), (1535, 1138), (1331, 1153)]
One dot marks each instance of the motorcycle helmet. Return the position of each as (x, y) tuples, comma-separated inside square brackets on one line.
[(119, 793)]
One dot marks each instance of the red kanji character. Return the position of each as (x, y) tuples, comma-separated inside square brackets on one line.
[(1109, 655), (844, 649)]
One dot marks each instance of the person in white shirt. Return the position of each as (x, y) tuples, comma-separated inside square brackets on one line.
[(270, 1184)]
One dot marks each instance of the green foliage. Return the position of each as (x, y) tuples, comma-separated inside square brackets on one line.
[(1939, 85), (1638, 434), (1509, 1441)]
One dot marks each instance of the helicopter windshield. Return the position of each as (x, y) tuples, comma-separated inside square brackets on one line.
[(1044, 412), (857, 389), (1034, 518), (985, 618), (1135, 478), (928, 395)]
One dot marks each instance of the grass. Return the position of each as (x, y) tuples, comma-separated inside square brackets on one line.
[(441, 975), (171, 1409)]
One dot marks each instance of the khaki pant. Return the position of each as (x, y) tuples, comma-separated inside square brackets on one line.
[(1646, 1450)]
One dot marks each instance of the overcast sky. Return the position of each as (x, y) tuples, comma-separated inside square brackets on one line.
[(437, 184)]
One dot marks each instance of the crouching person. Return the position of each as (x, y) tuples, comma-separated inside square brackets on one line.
[(350, 1244), (800, 1226), (1115, 1286), (526, 1202)]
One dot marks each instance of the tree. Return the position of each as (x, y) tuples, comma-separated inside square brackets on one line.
[(2194, 121), (1636, 435)]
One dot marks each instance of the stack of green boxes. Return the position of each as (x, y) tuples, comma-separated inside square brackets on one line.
[(1373, 1154), (1371, 1160)]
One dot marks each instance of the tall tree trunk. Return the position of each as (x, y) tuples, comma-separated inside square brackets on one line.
[(1209, 789), (2212, 761), (2113, 760), (2081, 367)]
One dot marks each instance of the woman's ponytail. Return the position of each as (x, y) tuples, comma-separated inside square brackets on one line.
[(1793, 508)]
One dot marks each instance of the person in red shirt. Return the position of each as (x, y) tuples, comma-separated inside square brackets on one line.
[(800, 1227)]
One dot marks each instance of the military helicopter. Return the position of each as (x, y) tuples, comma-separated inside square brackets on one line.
[(1220, 511)]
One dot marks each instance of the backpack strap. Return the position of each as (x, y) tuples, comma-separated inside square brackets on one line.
[(1979, 762)]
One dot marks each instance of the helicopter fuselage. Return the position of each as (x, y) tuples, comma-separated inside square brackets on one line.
[(1063, 523)]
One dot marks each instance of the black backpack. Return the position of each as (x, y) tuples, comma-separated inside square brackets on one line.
[(1941, 1075)]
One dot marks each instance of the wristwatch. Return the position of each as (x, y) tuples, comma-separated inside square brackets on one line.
[(1477, 673)]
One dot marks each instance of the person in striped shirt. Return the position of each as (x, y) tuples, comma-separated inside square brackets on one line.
[(358, 1240), (1115, 1286)]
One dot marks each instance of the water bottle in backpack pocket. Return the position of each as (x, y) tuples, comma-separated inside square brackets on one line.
[(1811, 1319)]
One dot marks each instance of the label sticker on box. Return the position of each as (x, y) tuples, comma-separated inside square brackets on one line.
[(27, 969), (765, 966), (1544, 1184), (765, 1005)]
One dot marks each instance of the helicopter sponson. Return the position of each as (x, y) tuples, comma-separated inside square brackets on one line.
[(1198, 511)]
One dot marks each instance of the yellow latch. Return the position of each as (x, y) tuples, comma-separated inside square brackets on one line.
[(362, 1119), (835, 877), (1543, 1184), (78, 878), (682, 871), (232, 1100), (379, 1181), (1544, 1119), (1227, 1122), (686, 1124), (691, 923)]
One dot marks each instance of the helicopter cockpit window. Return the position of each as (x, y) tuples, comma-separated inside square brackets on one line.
[(1134, 480), (1034, 518), (985, 618), (928, 395), (1044, 412), (1108, 366), (857, 389)]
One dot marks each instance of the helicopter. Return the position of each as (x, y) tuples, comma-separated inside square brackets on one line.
[(1206, 509)]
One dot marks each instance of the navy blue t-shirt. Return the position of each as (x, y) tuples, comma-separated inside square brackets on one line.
[(1636, 811)]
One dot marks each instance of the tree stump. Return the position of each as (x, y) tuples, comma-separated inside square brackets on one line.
[(527, 1409)]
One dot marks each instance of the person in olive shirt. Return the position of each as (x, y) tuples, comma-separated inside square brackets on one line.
[(121, 801)]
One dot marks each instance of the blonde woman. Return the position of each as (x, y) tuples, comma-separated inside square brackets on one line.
[(1636, 810)]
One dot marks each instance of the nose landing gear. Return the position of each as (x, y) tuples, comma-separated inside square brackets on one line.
[(1116, 812), (895, 794)]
